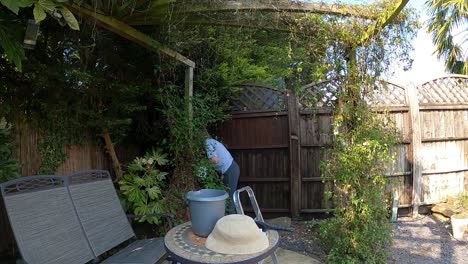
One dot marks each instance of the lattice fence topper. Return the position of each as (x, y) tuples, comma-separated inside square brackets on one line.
[(256, 97), (451, 89), (444, 90), (385, 93), (321, 94)]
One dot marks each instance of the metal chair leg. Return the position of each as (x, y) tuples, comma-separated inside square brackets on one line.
[(275, 258)]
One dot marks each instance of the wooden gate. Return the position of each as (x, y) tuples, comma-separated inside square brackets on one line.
[(257, 136)]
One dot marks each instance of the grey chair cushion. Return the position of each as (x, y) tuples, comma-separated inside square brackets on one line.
[(139, 252), (46, 227), (101, 214)]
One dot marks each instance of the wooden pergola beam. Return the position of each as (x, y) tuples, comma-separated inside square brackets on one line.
[(152, 16), (130, 33), (290, 7)]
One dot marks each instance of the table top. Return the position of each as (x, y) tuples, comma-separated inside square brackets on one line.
[(186, 247)]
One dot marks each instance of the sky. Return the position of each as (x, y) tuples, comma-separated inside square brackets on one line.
[(426, 66)]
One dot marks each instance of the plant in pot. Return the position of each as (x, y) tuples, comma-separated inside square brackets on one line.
[(459, 220)]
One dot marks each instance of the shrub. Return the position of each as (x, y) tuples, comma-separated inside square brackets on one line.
[(142, 187), (207, 175), (359, 230)]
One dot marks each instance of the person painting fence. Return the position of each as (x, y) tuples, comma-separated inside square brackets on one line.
[(225, 165)]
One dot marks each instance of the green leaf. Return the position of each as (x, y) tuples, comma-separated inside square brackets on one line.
[(162, 175), (69, 18), (139, 181), (161, 159), (48, 5), (25, 3), (153, 192), (13, 5), (39, 13)]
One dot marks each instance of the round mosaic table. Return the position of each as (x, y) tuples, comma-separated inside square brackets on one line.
[(184, 246)]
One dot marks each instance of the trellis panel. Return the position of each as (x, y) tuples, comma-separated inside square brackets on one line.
[(385, 94), (452, 89), (319, 95), (258, 98)]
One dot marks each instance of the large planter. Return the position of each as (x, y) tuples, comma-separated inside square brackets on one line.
[(459, 224), (206, 206)]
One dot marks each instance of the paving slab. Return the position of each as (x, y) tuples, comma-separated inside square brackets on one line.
[(290, 257), (285, 257)]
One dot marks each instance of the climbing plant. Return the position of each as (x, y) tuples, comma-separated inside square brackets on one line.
[(9, 167), (74, 87), (355, 174), (186, 135)]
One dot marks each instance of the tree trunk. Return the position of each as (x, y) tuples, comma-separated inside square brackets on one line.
[(110, 149)]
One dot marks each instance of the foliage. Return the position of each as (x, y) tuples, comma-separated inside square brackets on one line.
[(206, 174), (186, 131), (463, 201), (11, 37), (74, 86), (142, 187), (12, 29), (392, 46), (8, 167), (355, 170), (51, 146), (55, 8), (188, 134), (445, 17)]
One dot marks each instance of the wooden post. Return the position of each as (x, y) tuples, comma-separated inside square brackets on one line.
[(115, 160), (189, 90), (294, 150), (416, 144)]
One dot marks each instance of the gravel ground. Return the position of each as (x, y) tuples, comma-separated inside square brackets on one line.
[(424, 240), (303, 240)]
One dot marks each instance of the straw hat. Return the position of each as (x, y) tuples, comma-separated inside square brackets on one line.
[(236, 234)]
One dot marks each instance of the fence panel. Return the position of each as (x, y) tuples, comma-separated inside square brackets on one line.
[(443, 106), (262, 156)]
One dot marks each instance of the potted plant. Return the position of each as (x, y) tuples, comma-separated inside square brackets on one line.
[(459, 220)]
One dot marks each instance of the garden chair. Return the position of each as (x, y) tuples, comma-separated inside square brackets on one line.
[(74, 219)]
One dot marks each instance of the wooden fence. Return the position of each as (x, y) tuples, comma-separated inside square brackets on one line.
[(279, 141)]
